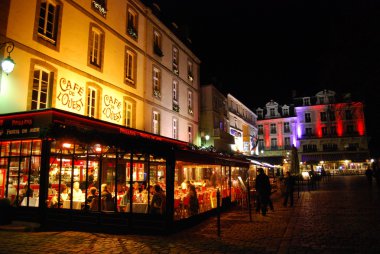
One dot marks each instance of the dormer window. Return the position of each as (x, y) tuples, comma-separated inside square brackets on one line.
[(285, 111), (306, 101)]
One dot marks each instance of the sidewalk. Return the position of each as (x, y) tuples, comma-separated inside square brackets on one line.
[(341, 216)]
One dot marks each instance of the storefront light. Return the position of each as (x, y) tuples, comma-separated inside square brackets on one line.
[(98, 148), (66, 145)]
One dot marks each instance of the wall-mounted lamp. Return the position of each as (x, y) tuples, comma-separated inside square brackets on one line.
[(8, 64)]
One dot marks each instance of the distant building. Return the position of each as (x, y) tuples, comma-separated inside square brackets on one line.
[(214, 122), (328, 132), (243, 126)]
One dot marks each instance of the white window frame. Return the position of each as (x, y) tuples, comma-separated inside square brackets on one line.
[(190, 133), (175, 128), (48, 34), (130, 60), (40, 87), (96, 47), (156, 122), (128, 114), (92, 101)]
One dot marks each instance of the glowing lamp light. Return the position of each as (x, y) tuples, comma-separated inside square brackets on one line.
[(66, 145), (8, 64), (98, 148), (207, 137)]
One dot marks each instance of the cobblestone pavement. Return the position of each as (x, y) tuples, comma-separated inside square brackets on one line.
[(341, 216)]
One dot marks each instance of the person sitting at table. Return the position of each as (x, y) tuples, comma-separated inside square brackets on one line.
[(156, 205), (24, 194), (125, 200), (77, 192), (106, 196), (64, 195), (91, 194)]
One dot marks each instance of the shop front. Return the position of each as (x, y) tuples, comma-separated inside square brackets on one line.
[(68, 171)]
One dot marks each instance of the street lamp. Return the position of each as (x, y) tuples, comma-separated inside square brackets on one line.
[(8, 64)]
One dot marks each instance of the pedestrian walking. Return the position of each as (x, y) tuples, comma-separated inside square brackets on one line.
[(289, 182), (369, 175), (263, 190)]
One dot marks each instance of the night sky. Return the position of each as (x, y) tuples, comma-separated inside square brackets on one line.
[(263, 50)]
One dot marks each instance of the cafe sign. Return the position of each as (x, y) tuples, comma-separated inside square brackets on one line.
[(71, 95)]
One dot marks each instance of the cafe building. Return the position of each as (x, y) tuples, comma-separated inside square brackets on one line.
[(53, 161)]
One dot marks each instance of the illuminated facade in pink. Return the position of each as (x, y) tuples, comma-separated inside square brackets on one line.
[(327, 132)]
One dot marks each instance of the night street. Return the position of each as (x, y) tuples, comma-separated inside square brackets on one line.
[(341, 216)]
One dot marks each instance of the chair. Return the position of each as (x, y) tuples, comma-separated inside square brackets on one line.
[(107, 204), (185, 207), (201, 201), (177, 208), (94, 205)]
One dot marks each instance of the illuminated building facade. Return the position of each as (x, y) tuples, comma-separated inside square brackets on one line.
[(214, 122), (243, 126), (276, 132), (327, 132), (109, 60)]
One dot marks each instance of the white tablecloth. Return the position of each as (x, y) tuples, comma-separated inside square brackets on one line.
[(76, 204)]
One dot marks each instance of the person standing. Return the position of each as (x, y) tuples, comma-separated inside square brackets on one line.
[(289, 188), (263, 190), (369, 175)]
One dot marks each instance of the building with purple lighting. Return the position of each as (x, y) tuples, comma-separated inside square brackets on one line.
[(328, 131)]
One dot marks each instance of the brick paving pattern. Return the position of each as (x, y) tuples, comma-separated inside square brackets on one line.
[(341, 216)]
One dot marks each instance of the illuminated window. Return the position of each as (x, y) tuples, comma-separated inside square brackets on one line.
[(175, 96), (48, 22), (190, 74), (175, 60), (41, 87), (190, 102), (190, 133), (96, 47), (156, 122), (130, 67), (156, 82), (132, 24), (91, 102), (175, 128), (157, 46), (128, 117)]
